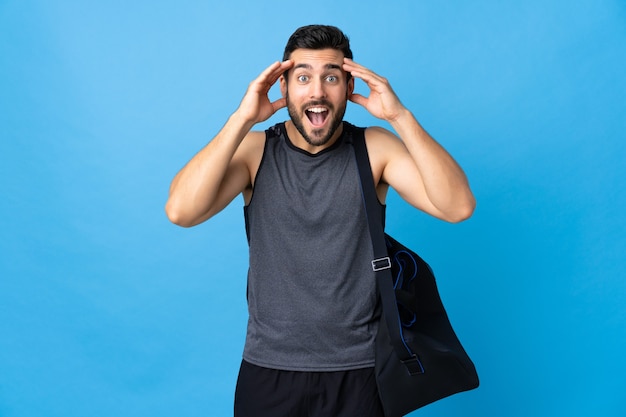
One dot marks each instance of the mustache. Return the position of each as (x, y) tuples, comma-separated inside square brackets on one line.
[(315, 103)]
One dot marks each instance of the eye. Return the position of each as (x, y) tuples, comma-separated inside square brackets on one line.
[(332, 78), (302, 78)]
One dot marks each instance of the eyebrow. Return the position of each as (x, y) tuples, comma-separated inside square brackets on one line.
[(310, 67)]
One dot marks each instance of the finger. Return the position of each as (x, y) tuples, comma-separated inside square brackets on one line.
[(351, 61), (284, 66), (352, 69), (279, 104), (263, 82), (358, 99), (271, 74), (370, 78), (269, 71), (280, 67), (351, 66), (374, 82)]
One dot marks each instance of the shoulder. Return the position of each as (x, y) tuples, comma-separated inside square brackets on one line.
[(250, 153), (252, 145), (385, 150), (377, 135), (382, 144), (254, 141)]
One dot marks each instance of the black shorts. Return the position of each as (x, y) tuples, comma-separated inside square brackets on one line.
[(263, 392)]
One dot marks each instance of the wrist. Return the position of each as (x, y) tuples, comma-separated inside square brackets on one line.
[(402, 117), (241, 119)]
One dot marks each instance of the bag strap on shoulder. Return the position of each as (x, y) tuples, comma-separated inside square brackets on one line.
[(381, 264)]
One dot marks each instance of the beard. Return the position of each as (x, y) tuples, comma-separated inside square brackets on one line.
[(317, 137)]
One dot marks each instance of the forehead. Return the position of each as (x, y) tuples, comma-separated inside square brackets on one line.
[(316, 58)]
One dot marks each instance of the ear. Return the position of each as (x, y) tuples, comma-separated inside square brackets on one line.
[(350, 86), (283, 85)]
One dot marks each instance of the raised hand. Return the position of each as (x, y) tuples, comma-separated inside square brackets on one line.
[(256, 105), (382, 102)]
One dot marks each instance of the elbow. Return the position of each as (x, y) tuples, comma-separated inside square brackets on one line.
[(462, 212), (184, 215), (175, 215)]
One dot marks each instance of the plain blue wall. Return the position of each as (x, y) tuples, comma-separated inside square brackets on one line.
[(106, 309)]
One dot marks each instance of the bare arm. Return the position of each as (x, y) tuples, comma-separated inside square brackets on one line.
[(417, 167), (221, 170)]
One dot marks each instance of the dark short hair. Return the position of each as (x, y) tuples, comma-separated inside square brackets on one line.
[(318, 37)]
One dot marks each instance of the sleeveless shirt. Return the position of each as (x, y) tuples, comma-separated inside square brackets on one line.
[(312, 297)]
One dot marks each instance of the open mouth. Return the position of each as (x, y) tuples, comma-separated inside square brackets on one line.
[(317, 115)]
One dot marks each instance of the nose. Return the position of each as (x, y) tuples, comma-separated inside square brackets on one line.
[(317, 89)]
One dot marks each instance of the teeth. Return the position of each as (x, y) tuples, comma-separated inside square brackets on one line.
[(317, 110)]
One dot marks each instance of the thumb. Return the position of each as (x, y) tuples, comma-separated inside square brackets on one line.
[(279, 104), (358, 99)]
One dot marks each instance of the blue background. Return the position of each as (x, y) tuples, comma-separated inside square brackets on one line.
[(106, 309)]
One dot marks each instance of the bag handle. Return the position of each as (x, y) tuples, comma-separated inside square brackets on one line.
[(381, 264)]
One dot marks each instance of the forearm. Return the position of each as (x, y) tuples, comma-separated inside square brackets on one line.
[(194, 190), (444, 181)]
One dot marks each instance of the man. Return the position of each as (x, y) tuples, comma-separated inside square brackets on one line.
[(313, 309)]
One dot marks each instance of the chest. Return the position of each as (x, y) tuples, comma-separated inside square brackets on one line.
[(308, 191)]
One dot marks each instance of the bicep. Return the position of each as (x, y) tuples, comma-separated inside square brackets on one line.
[(237, 178), (399, 171)]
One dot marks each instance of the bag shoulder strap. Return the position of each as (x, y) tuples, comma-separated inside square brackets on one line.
[(381, 264)]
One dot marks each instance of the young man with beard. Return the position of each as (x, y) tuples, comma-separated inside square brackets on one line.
[(313, 308)]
